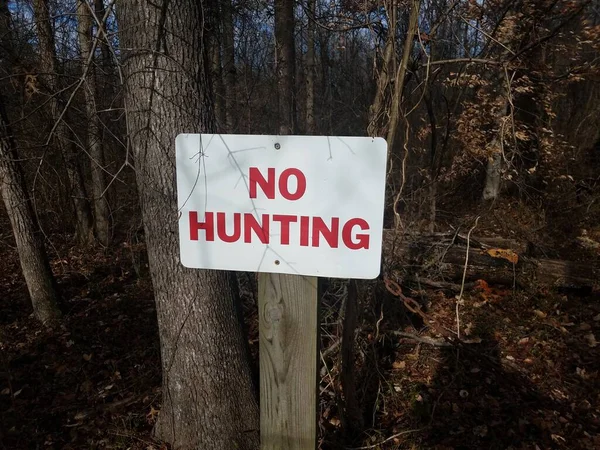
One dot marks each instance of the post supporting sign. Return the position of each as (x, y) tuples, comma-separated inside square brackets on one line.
[(310, 206)]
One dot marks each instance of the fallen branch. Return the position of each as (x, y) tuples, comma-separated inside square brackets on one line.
[(422, 339), (442, 256)]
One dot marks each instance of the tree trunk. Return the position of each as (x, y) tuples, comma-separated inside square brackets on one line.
[(209, 400), (100, 10), (215, 36), (229, 66), (310, 70), (94, 129), (395, 109), (432, 194), (352, 416), (30, 245), (285, 65), (63, 134), (493, 176), (377, 109), (493, 173)]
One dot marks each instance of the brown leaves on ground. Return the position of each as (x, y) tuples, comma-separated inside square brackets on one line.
[(90, 382), (519, 379)]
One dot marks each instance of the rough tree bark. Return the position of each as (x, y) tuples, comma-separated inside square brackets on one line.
[(215, 36), (285, 55), (493, 173), (310, 70), (30, 245), (395, 109), (229, 66), (209, 399), (377, 109), (65, 141), (94, 127)]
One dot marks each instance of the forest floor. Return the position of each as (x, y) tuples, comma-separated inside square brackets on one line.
[(526, 378)]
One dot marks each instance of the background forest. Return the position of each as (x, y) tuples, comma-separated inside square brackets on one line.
[(479, 332)]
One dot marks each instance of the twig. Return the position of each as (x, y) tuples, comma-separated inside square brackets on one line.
[(439, 62), (393, 436), (423, 340), (462, 284), (325, 353)]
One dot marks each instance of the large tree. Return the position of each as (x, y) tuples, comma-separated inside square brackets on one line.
[(30, 243), (209, 399)]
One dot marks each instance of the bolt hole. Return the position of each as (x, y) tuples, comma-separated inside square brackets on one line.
[(277, 262)]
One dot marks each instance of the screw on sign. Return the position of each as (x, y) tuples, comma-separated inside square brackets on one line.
[(295, 205)]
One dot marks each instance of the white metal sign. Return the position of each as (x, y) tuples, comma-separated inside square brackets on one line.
[(305, 205)]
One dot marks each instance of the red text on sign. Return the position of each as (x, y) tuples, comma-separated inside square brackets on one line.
[(256, 179), (281, 229)]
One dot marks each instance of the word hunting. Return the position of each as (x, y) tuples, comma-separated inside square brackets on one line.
[(284, 229)]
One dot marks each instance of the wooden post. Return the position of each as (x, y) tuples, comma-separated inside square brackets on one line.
[(288, 329)]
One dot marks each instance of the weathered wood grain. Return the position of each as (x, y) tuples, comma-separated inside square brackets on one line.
[(288, 328)]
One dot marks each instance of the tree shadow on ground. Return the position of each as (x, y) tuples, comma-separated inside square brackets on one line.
[(479, 399)]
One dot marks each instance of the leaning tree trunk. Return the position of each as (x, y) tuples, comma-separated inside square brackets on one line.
[(64, 137), (94, 128), (30, 245), (377, 113), (209, 400), (395, 108)]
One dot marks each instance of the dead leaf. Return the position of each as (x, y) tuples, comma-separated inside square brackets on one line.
[(480, 431), (80, 415), (540, 314), (5, 391), (87, 356), (399, 365), (482, 284), (151, 416), (506, 254), (591, 340)]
